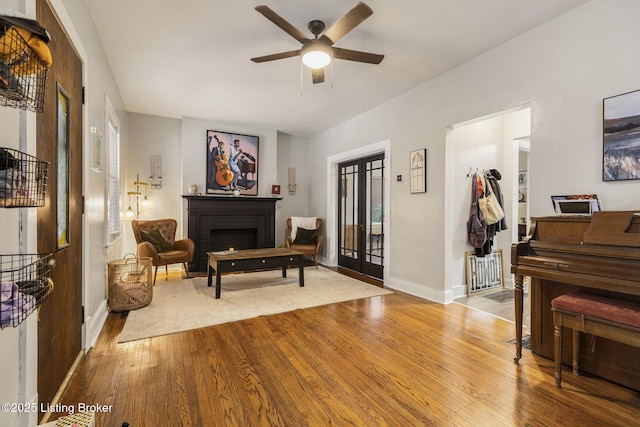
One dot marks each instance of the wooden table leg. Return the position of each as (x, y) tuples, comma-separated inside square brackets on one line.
[(301, 269), (218, 284), (284, 271), (519, 303), (209, 275)]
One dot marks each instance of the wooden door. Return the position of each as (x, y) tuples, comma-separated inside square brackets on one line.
[(59, 141), (360, 219)]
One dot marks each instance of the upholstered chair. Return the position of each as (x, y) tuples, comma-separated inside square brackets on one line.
[(304, 234), (156, 239)]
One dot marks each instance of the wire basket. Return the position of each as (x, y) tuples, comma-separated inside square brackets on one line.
[(23, 179), (25, 284), (23, 73), (130, 283)]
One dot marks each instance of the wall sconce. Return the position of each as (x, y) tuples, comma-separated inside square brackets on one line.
[(292, 181), (141, 205), (156, 172)]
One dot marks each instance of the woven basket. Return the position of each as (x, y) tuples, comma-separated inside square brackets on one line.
[(130, 283)]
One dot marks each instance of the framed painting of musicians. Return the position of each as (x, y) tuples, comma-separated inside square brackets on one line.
[(232, 164)]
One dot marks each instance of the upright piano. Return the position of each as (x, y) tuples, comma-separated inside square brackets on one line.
[(598, 254)]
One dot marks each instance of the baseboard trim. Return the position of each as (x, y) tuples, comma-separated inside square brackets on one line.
[(94, 324)]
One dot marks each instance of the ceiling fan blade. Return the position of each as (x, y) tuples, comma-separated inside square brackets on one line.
[(356, 55), (318, 75), (348, 22), (280, 22), (281, 55)]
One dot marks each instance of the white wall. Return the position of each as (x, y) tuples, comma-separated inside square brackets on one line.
[(292, 153), (99, 83), (182, 147), (13, 357), (10, 363), (194, 145), (562, 69), (18, 354), (154, 136), (193, 161)]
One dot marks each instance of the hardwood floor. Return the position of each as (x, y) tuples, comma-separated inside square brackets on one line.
[(503, 309), (392, 360)]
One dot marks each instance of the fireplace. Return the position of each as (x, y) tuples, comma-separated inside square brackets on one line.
[(218, 223)]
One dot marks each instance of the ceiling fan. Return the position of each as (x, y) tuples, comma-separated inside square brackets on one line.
[(316, 53)]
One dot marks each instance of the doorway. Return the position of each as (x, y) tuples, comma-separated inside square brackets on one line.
[(484, 143), (523, 146), (361, 215)]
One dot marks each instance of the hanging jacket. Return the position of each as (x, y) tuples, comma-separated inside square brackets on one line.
[(491, 178), (477, 234)]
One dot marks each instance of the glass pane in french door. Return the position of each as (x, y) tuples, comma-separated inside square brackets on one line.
[(374, 211), (349, 210)]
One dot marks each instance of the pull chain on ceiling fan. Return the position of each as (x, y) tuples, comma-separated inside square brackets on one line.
[(316, 53)]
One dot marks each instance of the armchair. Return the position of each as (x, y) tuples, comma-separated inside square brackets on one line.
[(308, 241), (156, 239)]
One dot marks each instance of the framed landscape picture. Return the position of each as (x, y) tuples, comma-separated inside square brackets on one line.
[(621, 137), (232, 163)]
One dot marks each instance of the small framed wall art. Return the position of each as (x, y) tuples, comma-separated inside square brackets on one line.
[(522, 179), (418, 164)]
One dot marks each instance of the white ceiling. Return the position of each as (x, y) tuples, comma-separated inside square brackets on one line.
[(192, 58)]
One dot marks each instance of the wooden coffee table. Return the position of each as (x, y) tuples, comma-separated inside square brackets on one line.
[(253, 260)]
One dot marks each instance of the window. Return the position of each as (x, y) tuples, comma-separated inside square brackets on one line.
[(113, 175), (62, 158)]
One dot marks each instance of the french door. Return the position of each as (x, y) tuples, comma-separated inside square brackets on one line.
[(360, 218)]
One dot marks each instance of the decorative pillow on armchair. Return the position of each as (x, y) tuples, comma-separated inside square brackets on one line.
[(155, 238), (305, 237)]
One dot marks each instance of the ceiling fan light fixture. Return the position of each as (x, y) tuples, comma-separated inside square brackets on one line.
[(316, 55)]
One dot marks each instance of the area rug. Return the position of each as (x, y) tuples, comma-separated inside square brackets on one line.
[(502, 296), (189, 304)]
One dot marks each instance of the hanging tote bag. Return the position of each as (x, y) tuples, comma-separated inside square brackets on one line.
[(490, 207), (475, 230)]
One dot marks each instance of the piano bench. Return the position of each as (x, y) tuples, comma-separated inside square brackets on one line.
[(606, 317)]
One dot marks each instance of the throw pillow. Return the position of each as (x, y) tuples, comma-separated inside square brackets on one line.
[(155, 238), (305, 237)]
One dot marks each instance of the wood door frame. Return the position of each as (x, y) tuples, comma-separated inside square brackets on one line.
[(331, 244)]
